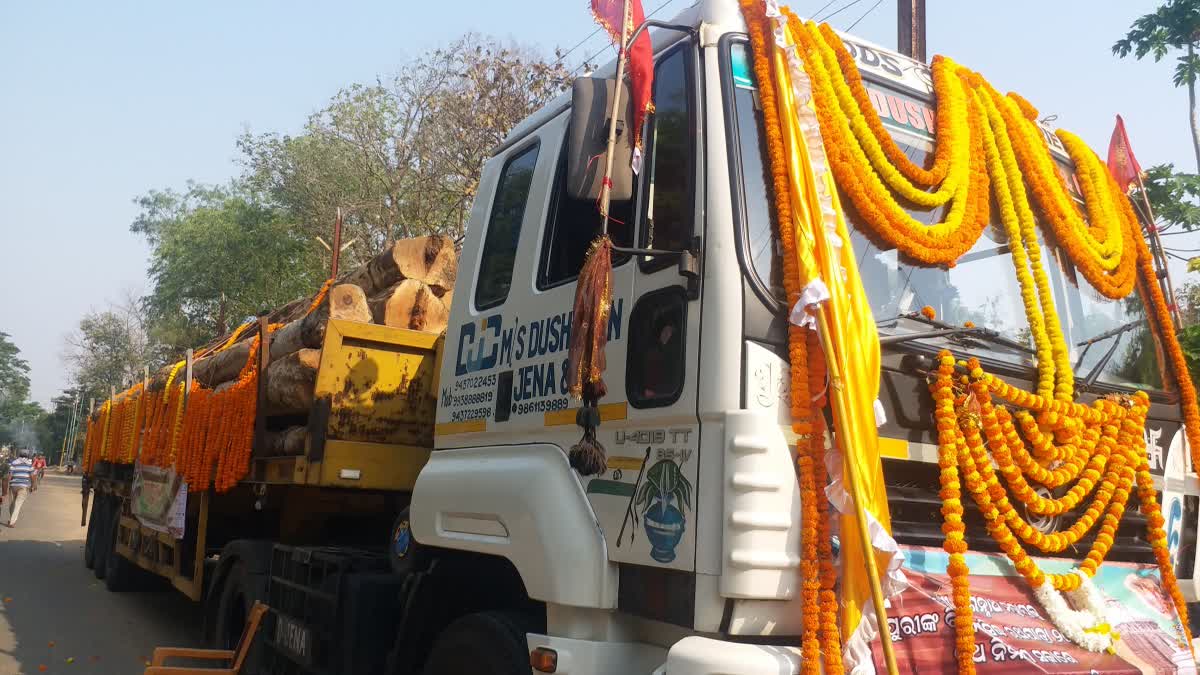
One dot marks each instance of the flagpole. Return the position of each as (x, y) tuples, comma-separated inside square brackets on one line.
[(840, 413), (606, 185), (1159, 254)]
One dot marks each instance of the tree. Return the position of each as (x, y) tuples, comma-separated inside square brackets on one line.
[(52, 426), (14, 379), (18, 415), (1173, 26), (218, 256), (109, 349), (1175, 197), (401, 157)]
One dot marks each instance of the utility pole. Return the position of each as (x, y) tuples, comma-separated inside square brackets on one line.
[(910, 28)]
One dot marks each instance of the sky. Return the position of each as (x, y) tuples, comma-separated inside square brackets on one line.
[(102, 102)]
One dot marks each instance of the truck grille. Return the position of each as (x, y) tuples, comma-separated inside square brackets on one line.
[(912, 490), (304, 631)]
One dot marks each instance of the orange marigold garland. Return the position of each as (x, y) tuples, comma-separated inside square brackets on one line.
[(955, 543), (821, 633)]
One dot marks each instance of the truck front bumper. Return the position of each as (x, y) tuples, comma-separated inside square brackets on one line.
[(697, 655), (693, 655)]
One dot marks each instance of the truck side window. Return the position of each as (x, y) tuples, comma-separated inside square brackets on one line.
[(504, 229), (573, 224), (670, 168), (667, 169), (654, 371)]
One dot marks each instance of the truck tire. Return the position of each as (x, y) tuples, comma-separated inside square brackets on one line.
[(238, 593), (487, 643), (119, 573), (89, 544), (102, 513)]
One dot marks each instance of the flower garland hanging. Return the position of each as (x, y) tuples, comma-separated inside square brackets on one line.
[(857, 176), (1092, 452), (821, 633), (869, 166), (941, 71)]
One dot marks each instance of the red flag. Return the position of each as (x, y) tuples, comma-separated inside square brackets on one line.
[(608, 14), (1121, 163)]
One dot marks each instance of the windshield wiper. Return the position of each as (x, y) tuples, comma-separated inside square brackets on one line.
[(1115, 333), (946, 330)]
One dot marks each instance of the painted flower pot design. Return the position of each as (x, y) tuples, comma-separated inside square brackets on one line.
[(663, 501)]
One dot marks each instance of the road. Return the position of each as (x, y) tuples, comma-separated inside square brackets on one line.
[(54, 609)]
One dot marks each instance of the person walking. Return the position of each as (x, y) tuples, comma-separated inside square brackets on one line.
[(39, 467), (20, 481)]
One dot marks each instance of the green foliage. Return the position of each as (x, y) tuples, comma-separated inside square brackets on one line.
[(109, 349), (52, 426), (14, 378), (17, 414), (218, 255), (1173, 25), (1189, 339), (401, 157), (1174, 196)]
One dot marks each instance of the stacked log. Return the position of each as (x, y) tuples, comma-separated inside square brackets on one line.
[(410, 285), (411, 304)]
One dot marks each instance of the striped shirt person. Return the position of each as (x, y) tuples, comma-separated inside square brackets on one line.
[(20, 481)]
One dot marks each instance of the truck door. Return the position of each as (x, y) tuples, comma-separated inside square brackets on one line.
[(503, 372), (646, 500)]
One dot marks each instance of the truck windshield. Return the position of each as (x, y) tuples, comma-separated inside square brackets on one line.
[(982, 288)]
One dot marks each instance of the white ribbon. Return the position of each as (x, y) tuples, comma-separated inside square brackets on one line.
[(815, 293)]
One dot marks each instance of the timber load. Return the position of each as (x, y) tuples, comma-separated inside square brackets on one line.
[(409, 285)]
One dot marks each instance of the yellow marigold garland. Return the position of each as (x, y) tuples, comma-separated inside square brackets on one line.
[(1091, 449), (868, 167), (941, 70), (856, 174)]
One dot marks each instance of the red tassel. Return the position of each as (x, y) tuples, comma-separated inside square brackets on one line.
[(585, 355), (589, 323)]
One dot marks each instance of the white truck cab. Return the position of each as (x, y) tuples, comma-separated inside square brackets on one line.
[(682, 555)]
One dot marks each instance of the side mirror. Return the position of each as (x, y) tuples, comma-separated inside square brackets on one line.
[(587, 140)]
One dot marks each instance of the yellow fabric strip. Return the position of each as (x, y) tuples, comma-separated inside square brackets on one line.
[(854, 339)]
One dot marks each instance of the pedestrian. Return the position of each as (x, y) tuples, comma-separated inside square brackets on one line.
[(20, 481), (39, 467)]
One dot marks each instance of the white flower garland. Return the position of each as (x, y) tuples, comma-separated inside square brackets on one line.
[(1088, 626)]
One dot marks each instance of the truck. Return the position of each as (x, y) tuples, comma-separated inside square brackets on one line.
[(471, 545)]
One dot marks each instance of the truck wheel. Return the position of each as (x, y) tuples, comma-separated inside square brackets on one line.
[(238, 594), (89, 544), (104, 538), (487, 643), (119, 573)]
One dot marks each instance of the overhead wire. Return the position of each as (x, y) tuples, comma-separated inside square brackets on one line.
[(864, 15), (837, 11), (824, 7)]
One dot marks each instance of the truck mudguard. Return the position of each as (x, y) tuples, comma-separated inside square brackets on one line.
[(523, 503)]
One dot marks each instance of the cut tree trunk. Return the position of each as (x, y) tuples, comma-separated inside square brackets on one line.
[(430, 259), (410, 304), (286, 443), (290, 383), (344, 301)]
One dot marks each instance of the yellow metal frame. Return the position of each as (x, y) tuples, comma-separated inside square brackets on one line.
[(347, 402), (151, 557)]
